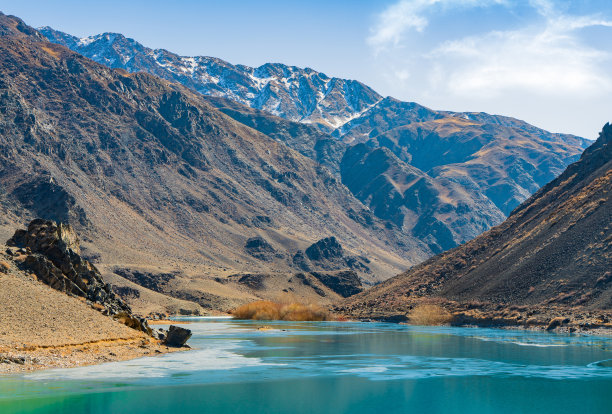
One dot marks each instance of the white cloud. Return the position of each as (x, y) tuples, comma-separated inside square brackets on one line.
[(548, 59), (552, 57), (400, 17)]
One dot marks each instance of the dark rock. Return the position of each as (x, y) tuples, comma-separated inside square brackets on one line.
[(54, 256), (252, 280), (328, 254), (177, 336), (259, 248), (325, 249), (154, 281), (7, 359), (126, 291), (345, 283), (300, 261)]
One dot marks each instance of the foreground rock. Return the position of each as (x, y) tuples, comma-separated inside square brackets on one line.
[(51, 251), (176, 336), (44, 328)]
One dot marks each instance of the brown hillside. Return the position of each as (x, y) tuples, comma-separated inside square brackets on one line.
[(43, 327), (553, 252), (152, 176)]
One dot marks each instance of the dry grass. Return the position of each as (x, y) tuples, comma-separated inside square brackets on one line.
[(4, 266), (430, 314), (266, 310), (128, 320), (97, 306)]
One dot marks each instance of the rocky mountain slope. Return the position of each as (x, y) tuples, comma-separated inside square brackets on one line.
[(502, 158), (552, 256), (49, 321), (438, 211), (293, 93), (156, 179), (478, 167)]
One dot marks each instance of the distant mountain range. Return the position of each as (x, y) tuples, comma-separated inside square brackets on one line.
[(548, 264), (302, 95), (467, 170)]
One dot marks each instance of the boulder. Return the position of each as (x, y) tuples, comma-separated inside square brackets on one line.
[(177, 336)]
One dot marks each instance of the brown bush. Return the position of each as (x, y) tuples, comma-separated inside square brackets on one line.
[(267, 310), (4, 267), (430, 314), (97, 306), (126, 319)]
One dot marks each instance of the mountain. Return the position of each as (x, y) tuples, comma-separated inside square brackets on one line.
[(490, 163), (438, 211), (503, 158), (158, 180), (293, 93), (550, 258)]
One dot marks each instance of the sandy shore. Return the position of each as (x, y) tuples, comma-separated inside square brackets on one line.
[(43, 328), (67, 356)]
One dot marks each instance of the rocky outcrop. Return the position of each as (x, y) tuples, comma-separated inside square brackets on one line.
[(52, 252), (328, 254), (345, 283), (327, 249), (157, 282), (176, 336), (259, 248), (255, 281)]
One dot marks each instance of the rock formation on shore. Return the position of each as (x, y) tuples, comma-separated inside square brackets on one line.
[(52, 252)]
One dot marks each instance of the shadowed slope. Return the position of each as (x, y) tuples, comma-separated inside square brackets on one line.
[(555, 250), (152, 175)]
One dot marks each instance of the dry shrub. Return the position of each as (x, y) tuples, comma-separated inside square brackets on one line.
[(299, 312), (4, 266), (430, 314), (126, 319), (261, 310), (267, 310), (98, 306)]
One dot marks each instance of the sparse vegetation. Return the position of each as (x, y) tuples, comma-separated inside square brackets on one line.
[(267, 310), (130, 321), (430, 314), (4, 266)]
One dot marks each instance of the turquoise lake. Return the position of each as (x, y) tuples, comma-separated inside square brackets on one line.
[(329, 367)]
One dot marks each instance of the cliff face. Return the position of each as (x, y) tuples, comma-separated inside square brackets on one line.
[(555, 250)]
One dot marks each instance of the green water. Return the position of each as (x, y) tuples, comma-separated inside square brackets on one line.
[(336, 368)]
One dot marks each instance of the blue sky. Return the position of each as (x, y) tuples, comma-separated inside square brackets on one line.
[(547, 62)]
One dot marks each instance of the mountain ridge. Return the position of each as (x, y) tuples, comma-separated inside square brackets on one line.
[(459, 151), (550, 258), (156, 179), (298, 94)]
